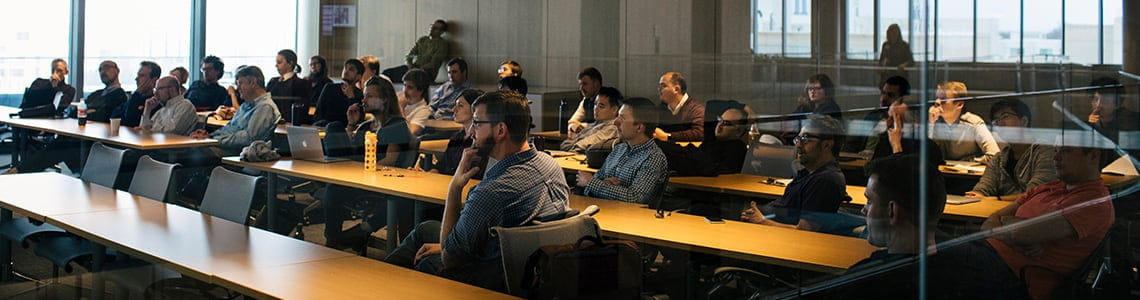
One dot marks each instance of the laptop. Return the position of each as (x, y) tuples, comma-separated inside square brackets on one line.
[(770, 160), (305, 144)]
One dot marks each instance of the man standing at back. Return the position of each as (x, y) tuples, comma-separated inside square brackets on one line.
[(522, 186), (682, 117), (206, 93)]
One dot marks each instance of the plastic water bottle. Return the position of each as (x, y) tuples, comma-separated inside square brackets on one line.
[(81, 112)]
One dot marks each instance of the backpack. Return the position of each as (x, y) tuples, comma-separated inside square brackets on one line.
[(595, 270)]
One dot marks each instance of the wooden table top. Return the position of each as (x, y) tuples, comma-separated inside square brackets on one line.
[(443, 125), (133, 138), (38, 195), (767, 244), (353, 277), (415, 185), (433, 147), (214, 122), (551, 135)]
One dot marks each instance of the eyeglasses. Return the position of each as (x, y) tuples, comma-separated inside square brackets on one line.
[(801, 138), (813, 88), (477, 122), (1005, 115), (731, 123)]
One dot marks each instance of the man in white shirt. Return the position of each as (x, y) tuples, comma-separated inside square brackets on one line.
[(175, 114)]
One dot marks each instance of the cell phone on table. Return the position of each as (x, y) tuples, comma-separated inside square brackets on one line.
[(714, 220)]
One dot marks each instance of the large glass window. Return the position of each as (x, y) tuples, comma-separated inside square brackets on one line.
[(768, 26), (955, 31), (1042, 36), (159, 31), (250, 33), (1113, 45), (894, 12), (1082, 32), (30, 38), (861, 29), (798, 33), (999, 34)]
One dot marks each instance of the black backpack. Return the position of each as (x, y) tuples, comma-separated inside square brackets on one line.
[(588, 269)]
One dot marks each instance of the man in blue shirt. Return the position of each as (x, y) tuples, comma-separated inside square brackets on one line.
[(635, 170), (444, 101), (521, 187), (254, 120), (814, 195)]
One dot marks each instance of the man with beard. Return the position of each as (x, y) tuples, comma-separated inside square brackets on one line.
[(521, 187), (168, 111), (634, 170), (963, 271), (334, 99), (131, 111), (817, 190)]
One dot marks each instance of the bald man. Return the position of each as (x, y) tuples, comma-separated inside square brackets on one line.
[(102, 102), (168, 111)]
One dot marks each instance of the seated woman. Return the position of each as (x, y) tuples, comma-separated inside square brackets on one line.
[(289, 88), (462, 139), (393, 149)]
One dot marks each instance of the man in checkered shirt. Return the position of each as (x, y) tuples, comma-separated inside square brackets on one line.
[(634, 170)]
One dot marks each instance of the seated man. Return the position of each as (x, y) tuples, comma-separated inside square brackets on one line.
[(206, 93), (901, 136), (894, 89), (131, 111), (54, 89), (333, 100), (255, 120), (509, 68), (428, 53), (960, 134), (1022, 163), (445, 97), (168, 111), (1110, 117), (66, 149), (817, 189), (514, 84), (965, 271), (726, 153), (602, 131), (589, 83), (522, 186), (634, 170), (682, 118), (1059, 242)]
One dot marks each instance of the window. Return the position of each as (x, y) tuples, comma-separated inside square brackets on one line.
[(1113, 45), (250, 33), (768, 27), (861, 29), (798, 33), (955, 31), (999, 35), (894, 12), (1082, 32), (1042, 36), (31, 36), (127, 38)]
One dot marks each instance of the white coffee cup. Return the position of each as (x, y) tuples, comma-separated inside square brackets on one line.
[(115, 126)]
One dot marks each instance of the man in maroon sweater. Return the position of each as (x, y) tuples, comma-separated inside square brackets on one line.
[(682, 117)]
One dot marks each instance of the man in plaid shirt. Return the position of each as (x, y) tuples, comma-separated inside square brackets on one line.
[(634, 170)]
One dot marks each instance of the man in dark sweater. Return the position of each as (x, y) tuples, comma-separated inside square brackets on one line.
[(131, 111), (334, 99), (682, 117), (206, 93), (101, 103)]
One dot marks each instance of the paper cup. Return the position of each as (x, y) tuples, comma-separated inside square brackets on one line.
[(115, 126)]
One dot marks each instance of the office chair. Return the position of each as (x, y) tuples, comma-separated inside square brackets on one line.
[(518, 243)]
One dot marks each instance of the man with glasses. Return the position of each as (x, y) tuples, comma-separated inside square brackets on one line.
[(817, 190), (521, 187), (254, 120), (602, 132), (131, 112), (960, 134), (206, 93), (1022, 163), (168, 111), (634, 170)]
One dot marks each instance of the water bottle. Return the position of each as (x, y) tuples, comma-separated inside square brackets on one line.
[(562, 119), (81, 112)]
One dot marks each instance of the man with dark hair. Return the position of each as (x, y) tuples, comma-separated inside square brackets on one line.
[(602, 132), (460, 247), (864, 136), (206, 93), (513, 83), (1110, 117), (635, 170), (181, 74), (131, 111), (445, 97), (51, 90), (1056, 225), (814, 195), (253, 121), (589, 82), (334, 99), (682, 118), (427, 54), (371, 67), (965, 271), (1022, 163), (101, 104)]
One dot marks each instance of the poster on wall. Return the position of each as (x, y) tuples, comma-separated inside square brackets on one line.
[(337, 16)]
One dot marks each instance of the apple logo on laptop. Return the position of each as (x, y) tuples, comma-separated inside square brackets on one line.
[(304, 144)]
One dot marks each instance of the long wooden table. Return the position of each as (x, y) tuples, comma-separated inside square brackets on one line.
[(133, 138), (245, 259), (825, 253)]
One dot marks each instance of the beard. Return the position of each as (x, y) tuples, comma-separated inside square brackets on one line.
[(877, 231), (483, 147)]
